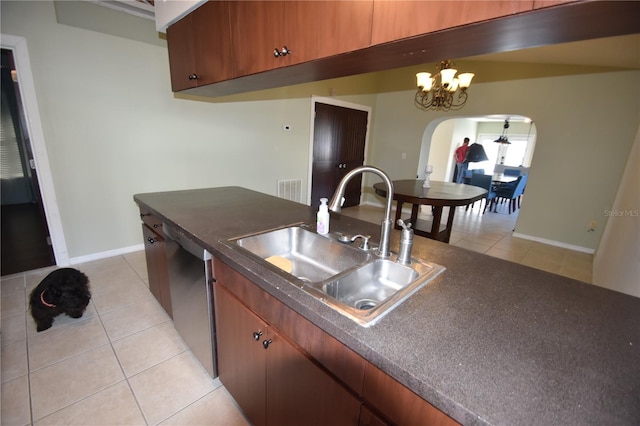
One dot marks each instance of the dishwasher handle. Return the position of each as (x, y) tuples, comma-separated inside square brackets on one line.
[(183, 241)]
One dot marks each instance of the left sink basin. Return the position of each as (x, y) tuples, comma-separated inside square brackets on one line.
[(304, 254)]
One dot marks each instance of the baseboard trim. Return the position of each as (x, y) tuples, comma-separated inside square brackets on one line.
[(555, 243), (105, 254)]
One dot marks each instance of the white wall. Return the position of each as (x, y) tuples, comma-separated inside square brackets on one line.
[(616, 264)]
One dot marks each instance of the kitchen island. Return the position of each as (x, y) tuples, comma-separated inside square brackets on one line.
[(486, 342)]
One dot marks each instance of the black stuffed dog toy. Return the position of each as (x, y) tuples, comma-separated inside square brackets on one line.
[(63, 291)]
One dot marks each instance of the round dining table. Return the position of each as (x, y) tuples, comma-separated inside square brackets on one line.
[(438, 195)]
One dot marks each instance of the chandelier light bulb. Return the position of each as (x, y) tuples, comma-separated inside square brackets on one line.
[(465, 79), (424, 80), (447, 76)]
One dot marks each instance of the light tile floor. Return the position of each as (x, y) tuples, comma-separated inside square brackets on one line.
[(122, 363), (491, 234)]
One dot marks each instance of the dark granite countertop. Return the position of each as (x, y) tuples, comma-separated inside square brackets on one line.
[(487, 341)]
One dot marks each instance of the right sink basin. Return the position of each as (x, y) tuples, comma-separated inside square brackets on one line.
[(370, 291)]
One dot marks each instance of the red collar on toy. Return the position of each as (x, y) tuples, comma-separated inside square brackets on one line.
[(50, 305)]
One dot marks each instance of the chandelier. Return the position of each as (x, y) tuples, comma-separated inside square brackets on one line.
[(503, 137), (444, 91)]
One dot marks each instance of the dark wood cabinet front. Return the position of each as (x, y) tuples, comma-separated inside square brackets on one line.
[(300, 31), (301, 393), (272, 379), (157, 270), (395, 20), (338, 147), (241, 355), (199, 47)]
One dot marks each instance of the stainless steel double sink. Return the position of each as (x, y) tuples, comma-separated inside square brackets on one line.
[(354, 282)]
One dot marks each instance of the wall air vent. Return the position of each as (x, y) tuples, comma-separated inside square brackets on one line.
[(290, 189)]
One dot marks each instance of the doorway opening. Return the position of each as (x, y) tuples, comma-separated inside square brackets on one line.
[(26, 243)]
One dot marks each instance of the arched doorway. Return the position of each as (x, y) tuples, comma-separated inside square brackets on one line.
[(441, 138)]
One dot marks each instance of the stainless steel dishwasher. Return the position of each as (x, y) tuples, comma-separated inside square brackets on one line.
[(191, 287)]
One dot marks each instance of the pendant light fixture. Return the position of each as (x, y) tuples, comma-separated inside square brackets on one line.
[(503, 139), (444, 91)]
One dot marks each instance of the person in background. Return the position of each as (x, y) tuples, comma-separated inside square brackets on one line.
[(460, 156)]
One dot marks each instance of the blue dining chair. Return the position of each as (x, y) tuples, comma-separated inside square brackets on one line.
[(484, 181), (512, 192), (511, 172)]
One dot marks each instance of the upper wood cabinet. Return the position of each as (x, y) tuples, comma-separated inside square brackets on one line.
[(307, 29), (199, 47), (395, 20)]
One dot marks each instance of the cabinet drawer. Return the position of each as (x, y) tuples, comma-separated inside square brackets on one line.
[(151, 220)]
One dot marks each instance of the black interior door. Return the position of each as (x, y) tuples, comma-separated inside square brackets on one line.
[(338, 147)]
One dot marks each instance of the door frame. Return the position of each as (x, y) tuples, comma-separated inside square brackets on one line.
[(36, 138), (343, 104)]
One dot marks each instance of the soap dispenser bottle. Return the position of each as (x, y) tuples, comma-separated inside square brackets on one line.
[(322, 224)]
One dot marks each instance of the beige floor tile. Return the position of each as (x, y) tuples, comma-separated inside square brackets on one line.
[(13, 329), (14, 360), (67, 382), (168, 387), (486, 238), (545, 261), (217, 404), (138, 262), (473, 245), (513, 243), (57, 344), (13, 304), (15, 402), (148, 348), (112, 406), (11, 284), (103, 267), (132, 318), (119, 293), (60, 321), (33, 278), (505, 254)]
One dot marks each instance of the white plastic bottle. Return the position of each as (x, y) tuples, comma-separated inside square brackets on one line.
[(322, 224)]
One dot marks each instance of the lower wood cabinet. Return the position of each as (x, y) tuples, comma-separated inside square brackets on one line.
[(156, 257), (284, 370), (273, 381)]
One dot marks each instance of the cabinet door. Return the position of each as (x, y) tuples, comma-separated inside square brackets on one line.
[(257, 29), (182, 57), (309, 29), (319, 29), (301, 393), (394, 20), (397, 403), (241, 357), (199, 47), (157, 270)]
